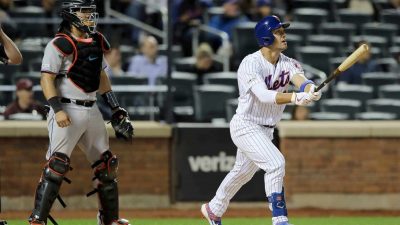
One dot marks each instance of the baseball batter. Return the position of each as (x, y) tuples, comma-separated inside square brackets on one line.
[(263, 78), (72, 73)]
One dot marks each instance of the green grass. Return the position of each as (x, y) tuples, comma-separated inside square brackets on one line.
[(243, 221)]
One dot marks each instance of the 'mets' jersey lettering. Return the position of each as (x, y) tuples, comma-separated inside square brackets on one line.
[(255, 69), (282, 81)]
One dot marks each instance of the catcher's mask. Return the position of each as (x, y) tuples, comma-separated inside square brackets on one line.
[(81, 14)]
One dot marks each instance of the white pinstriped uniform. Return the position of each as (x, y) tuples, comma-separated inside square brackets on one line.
[(255, 148)]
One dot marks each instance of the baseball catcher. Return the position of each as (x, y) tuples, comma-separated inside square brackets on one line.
[(73, 72)]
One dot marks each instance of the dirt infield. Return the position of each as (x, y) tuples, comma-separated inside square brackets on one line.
[(192, 213)]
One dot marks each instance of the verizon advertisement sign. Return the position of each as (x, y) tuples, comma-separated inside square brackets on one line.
[(205, 164), (202, 156)]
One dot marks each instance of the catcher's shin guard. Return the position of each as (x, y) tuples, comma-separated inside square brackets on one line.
[(105, 172), (49, 186)]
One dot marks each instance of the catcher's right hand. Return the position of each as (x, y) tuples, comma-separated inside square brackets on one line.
[(62, 119), (121, 124)]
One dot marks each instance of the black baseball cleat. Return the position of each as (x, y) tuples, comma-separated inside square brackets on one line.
[(36, 223), (120, 221)]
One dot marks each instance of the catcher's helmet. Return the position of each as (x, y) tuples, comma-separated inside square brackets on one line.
[(86, 23), (264, 28)]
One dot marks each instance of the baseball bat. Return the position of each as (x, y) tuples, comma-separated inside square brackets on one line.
[(349, 61)]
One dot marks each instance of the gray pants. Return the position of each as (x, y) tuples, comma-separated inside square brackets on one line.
[(87, 130)]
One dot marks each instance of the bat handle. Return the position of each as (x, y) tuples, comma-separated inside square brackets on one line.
[(319, 87), (329, 79)]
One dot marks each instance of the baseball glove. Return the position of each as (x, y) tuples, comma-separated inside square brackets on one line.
[(121, 124)]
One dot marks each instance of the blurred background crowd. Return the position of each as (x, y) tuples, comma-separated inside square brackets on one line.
[(210, 38)]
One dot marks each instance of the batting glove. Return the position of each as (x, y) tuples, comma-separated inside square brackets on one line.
[(301, 98), (315, 95)]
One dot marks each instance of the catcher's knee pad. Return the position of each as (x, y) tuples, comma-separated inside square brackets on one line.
[(278, 204), (105, 171), (49, 185)]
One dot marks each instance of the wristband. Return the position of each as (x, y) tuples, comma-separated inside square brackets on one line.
[(110, 99), (55, 104), (304, 84)]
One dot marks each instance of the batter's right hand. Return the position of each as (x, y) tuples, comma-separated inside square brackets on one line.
[(301, 98), (62, 119)]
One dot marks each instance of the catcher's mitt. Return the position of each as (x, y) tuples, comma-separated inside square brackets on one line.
[(121, 124)]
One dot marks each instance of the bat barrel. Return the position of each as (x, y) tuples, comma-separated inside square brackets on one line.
[(348, 62)]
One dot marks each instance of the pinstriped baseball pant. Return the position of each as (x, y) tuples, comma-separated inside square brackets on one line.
[(255, 151)]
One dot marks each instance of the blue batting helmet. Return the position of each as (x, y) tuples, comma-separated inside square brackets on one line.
[(264, 28)]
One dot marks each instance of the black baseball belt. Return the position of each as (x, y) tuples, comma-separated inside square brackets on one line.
[(269, 126), (85, 103)]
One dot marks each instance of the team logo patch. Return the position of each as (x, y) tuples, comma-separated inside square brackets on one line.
[(298, 65), (92, 57), (45, 66), (280, 205)]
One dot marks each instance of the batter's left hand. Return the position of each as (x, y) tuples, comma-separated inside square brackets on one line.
[(315, 95)]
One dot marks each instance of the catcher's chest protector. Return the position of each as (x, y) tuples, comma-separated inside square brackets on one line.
[(87, 59)]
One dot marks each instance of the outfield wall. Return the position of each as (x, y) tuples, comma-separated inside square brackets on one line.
[(331, 165)]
